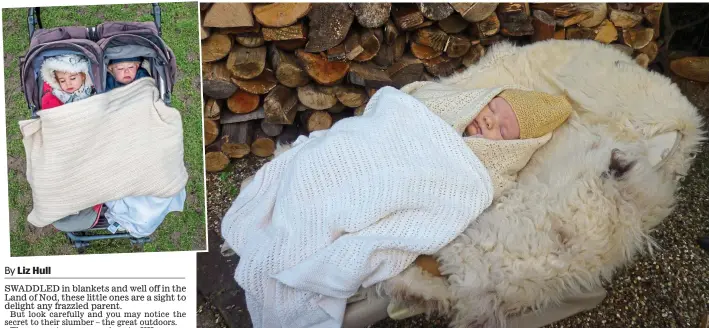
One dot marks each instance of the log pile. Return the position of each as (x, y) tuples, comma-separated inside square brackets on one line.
[(272, 72)]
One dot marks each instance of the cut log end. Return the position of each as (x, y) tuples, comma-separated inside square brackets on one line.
[(242, 102), (260, 85), (216, 80), (351, 96), (407, 16), (216, 161), (317, 97), (320, 69), (486, 27), (228, 15), (638, 38), (236, 150), (216, 47), (453, 24), (458, 45), (693, 68), (435, 11), (606, 32), (212, 109), (263, 144), (371, 15), (475, 12), (280, 14), (423, 52), (432, 37), (280, 105), (329, 24), (316, 120), (516, 24), (625, 19), (246, 63), (211, 131)]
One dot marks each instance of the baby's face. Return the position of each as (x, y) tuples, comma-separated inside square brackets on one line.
[(124, 72), (70, 82), (496, 121)]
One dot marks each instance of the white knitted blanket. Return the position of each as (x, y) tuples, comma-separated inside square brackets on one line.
[(125, 142), (350, 207)]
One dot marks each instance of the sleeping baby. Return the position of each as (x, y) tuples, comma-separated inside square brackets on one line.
[(502, 126), (66, 80)]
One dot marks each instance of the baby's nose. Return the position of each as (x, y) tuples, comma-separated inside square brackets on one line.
[(490, 121)]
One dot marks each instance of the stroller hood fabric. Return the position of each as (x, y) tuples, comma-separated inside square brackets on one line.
[(126, 142)]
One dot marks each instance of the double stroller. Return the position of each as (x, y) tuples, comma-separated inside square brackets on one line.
[(99, 44)]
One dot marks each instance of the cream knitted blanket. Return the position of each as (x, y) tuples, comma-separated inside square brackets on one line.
[(125, 142), (350, 207)]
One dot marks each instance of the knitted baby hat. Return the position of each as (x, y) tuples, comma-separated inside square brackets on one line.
[(538, 113), (64, 63), (457, 106)]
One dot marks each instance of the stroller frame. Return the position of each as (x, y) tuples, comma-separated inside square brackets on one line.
[(80, 240)]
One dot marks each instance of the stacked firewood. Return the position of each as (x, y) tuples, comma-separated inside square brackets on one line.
[(272, 72)]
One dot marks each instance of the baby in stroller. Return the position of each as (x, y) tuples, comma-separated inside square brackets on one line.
[(66, 79)]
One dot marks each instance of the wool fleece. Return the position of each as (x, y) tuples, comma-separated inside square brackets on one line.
[(572, 218)]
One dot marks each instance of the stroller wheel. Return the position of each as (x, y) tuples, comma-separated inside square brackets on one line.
[(138, 247), (81, 246), (138, 243)]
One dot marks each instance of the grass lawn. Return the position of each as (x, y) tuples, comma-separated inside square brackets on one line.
[(180, 231)]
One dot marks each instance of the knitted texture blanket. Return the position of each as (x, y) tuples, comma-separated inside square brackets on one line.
[(126, 142), (350, 207)]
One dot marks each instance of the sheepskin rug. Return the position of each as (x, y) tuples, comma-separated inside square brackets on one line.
[(585, 203)]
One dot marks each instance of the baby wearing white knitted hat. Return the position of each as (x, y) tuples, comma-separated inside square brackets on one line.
[(66, 79)]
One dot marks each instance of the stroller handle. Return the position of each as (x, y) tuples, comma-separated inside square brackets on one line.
[(33, 19), (157, 17)]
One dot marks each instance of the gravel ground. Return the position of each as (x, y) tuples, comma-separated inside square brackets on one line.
[(669, 288)]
